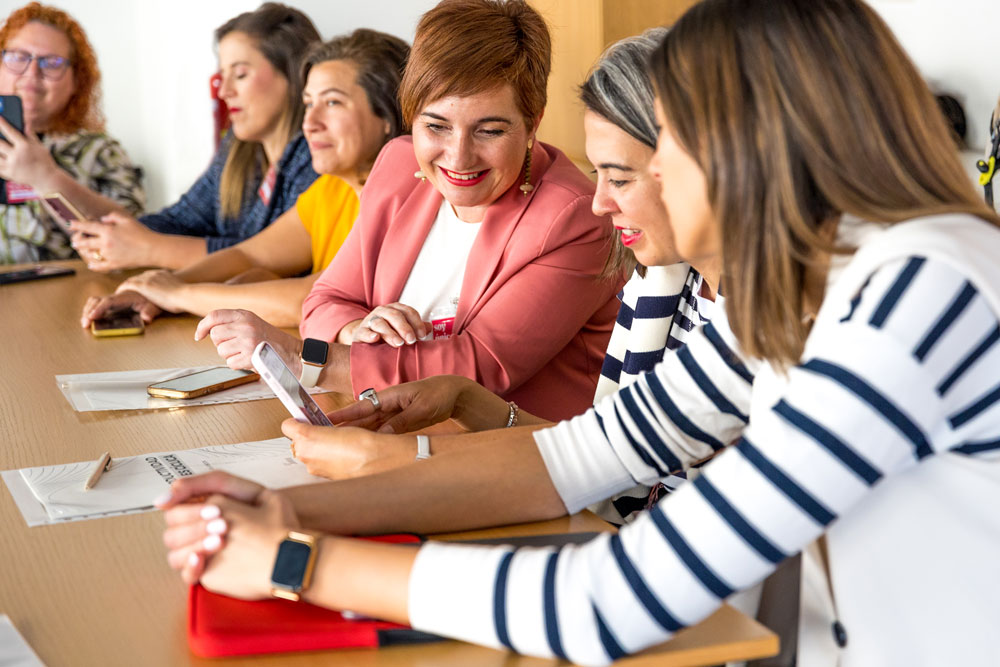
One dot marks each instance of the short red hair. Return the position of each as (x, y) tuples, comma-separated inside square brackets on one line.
[(464, 47), (83, 111)]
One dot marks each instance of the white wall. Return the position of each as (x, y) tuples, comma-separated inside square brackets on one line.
[(157, 56), (955, 46)]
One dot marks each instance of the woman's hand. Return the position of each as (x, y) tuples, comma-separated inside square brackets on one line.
[(158, 286), (99, 306), (416, 405), (395, 323), (189, 524), (24, 159), (342, 453), (229, 544), (118, 241), (236, 333)]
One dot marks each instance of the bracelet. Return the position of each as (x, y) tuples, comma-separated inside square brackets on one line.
[(512, 415), (423, 447)]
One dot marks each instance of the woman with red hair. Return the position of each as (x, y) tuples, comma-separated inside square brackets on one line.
[(48, 63)]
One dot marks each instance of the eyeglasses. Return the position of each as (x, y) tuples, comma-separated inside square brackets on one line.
[(52, 67)]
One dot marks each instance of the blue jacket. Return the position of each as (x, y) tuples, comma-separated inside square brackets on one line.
[(197, 213)]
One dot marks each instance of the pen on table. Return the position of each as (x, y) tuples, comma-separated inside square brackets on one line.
[(103, 463)]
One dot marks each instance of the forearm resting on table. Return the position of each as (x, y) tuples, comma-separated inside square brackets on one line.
[(497, 481), (279, 302), (366, 577), (173, 251), (217, 267)]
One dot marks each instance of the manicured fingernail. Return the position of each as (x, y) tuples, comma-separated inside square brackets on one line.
[(216, 527), (209, 512), (411, 340), (212, 542), (162, 499), (193, 559)]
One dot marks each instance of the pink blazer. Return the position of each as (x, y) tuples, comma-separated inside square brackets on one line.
[(533, 317)]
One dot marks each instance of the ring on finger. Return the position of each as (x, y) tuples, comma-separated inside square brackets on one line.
[(373, 318), (97, 255), (369, 395)]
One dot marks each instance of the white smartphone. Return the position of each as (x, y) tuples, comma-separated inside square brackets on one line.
[(286, 386)]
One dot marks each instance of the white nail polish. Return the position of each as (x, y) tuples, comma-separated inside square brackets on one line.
[(192, 559), (212, 542), (209, 512), (216, 526)]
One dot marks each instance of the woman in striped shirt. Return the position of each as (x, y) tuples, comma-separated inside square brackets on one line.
[(855, 364), (660, 305)]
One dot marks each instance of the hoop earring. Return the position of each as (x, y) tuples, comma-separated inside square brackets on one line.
[(419, 174), (527, 187)]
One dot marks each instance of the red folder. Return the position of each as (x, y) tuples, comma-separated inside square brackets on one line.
[(223, 626)]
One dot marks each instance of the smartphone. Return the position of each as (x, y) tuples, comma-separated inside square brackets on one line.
[(34, 273), (61, 210), (286, 386), (201, 383), (125, 322), (13, 113)]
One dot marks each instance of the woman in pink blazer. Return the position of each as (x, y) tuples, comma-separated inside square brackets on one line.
[(470, 213)]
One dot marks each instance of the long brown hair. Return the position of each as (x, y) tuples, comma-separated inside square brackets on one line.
[(83, 111), (797, 112), (281, 34)]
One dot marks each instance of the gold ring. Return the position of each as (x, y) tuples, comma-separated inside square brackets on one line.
[(97, 256)]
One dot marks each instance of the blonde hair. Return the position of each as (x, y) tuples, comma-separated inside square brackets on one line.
[(797, 112)]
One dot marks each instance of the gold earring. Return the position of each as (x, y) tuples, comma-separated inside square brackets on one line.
[(420, 174), (527, 187)]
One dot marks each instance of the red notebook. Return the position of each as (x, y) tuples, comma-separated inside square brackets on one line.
[(223, 626)]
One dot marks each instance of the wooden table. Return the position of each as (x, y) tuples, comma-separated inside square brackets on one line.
[(99, 592)]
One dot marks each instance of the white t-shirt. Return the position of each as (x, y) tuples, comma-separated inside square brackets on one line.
[(435, 282)]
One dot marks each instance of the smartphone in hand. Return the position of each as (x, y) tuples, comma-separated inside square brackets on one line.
[(125, 322), (286, 386), (61, 210), (12, 112), (203, 382)]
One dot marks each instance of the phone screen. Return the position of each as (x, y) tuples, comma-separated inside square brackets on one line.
[(201, 379), (291, 387), (123, 319)]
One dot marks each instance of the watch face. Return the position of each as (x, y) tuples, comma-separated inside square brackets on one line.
[(314, 351), (290, 565)]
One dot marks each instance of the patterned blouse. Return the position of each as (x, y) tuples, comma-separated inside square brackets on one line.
[(28, 233)]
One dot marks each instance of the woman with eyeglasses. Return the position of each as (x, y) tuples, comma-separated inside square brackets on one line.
[(257, 174), (48, 63)]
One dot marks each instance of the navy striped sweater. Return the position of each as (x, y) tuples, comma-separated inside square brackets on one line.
[(907, 370)]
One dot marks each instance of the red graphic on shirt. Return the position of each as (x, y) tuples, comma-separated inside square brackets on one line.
[(442, 327)]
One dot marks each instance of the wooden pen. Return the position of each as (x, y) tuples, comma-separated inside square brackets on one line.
[(103, 463)]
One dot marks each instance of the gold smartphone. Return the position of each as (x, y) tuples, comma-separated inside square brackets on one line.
[(61, 210), (118, 323), (201, 383)]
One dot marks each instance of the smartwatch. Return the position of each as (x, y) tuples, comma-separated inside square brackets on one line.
[(313, 357), (293, 567)]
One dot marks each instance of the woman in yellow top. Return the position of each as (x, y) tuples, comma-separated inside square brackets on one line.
[(352, 109)]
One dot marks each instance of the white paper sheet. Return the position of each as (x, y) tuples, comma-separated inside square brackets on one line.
[(126, 390), (14, 651), (52, 494)]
